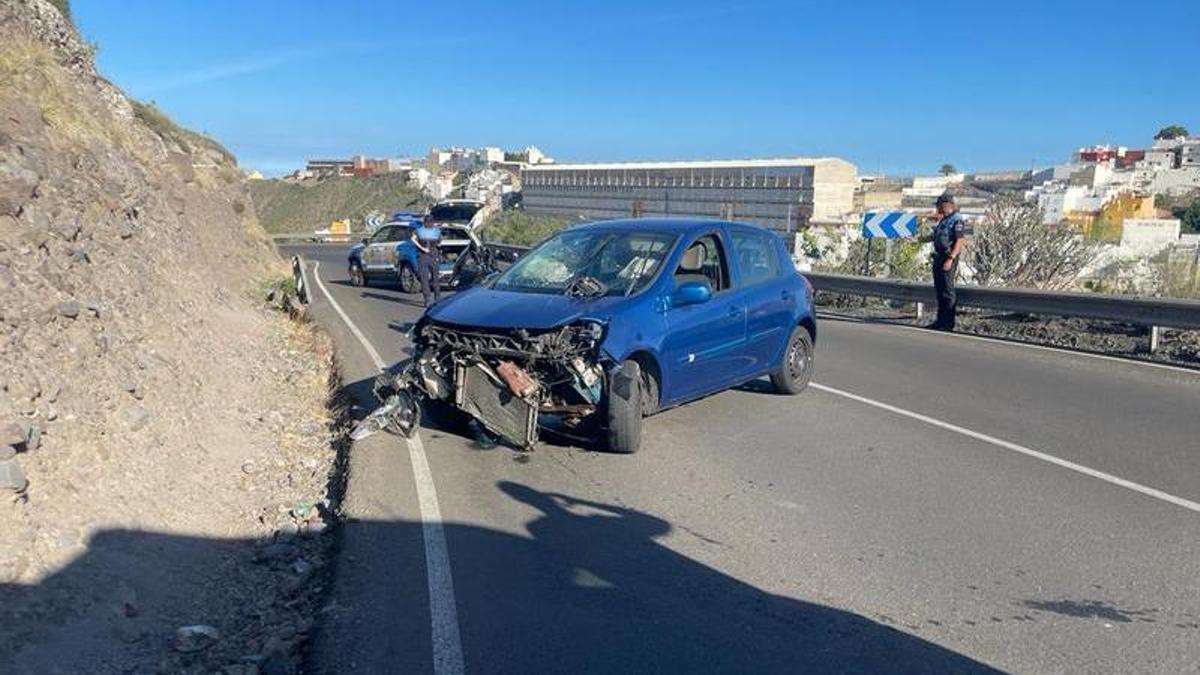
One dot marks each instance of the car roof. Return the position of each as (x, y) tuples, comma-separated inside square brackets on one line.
[(674, 225)]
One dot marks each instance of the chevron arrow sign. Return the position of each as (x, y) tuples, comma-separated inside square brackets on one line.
[(889, 224)]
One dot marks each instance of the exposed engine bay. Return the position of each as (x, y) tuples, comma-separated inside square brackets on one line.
[(512, 381)]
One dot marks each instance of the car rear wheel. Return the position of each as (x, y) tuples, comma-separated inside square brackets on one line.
[(623, 409), (409, 283), (793, 374), (357, 278)]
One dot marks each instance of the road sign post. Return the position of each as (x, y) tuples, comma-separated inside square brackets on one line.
[(887, 225)]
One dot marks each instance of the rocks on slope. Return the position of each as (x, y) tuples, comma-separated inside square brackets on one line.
[(158, 426)]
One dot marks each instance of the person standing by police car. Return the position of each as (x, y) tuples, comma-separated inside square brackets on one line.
[(427, 238), (949, 239)]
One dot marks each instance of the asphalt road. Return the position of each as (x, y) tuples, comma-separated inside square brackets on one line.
[(1050, 529)]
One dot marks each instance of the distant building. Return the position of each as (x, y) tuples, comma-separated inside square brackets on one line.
[(490, 156), (329, 167), (782, 194), (1189, 153), (440, 186), (438, 158), (1150, 234)]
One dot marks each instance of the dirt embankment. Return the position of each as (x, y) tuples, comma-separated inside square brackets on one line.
[(304, 206), (165, 440)]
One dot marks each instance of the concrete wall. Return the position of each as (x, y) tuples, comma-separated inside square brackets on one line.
[(781, 197), (1149, 233)]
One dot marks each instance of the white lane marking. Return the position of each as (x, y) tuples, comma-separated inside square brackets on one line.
[(1014, 343), (375, 358), (1029, 452), (443, 611)]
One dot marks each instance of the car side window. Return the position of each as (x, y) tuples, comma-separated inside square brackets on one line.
[(756, 255), (381, 236), (704, 260)]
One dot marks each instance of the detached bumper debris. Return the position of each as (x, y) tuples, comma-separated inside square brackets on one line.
[(509, 381)]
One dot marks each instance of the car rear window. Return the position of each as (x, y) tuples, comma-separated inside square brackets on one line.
[(453, 213), (756, 255)]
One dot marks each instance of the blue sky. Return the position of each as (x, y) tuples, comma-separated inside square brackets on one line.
[(898, 87)]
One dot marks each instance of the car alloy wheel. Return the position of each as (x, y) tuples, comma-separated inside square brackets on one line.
[(356, 276), (408, 279)]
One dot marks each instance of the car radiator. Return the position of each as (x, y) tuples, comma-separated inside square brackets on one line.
[(489, 400)]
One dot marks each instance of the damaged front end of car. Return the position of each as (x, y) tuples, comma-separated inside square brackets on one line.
[(512, 381)]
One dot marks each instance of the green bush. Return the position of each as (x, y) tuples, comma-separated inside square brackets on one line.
[(521, 228)]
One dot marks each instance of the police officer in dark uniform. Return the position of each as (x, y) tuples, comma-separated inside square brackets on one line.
[(949, 238), (427, 238)]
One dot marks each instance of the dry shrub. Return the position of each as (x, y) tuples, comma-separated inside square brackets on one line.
[(1013, 247)]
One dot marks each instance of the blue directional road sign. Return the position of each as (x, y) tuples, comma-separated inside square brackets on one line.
[(889, 224)]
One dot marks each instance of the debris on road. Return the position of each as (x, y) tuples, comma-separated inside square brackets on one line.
[(194, 638)]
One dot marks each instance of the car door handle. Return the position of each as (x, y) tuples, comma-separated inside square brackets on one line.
[(735, 311), (786, 295)]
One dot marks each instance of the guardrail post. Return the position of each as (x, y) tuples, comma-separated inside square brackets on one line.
[(920, 310), (1154, 339)]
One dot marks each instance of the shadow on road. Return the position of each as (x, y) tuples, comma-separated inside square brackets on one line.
[(588, 588)]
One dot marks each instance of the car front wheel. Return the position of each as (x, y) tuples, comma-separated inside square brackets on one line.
[(793, 374), (623, 409)]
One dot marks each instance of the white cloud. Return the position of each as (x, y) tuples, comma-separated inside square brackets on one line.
[(224, 71)]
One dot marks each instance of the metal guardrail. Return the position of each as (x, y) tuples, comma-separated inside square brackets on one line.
[(1152, 312), (507, 252), (300, 279), (1143, 311), (310, 237)]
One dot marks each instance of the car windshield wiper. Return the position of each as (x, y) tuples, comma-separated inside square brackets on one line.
[(586, 287)]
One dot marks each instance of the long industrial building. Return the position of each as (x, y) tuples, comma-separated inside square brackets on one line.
[(782, 194)]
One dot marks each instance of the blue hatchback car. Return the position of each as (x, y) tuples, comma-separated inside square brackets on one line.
[(607, 322)]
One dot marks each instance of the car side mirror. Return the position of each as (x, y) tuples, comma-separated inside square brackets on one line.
[(691, 293)]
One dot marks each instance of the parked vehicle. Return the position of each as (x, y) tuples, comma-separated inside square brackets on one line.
[(389, 254), (603, 324), (338, 231)]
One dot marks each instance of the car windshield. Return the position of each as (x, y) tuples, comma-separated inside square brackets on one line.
[(611, 263), (453, 213)]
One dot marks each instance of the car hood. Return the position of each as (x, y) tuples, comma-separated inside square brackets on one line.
[(488, 308)]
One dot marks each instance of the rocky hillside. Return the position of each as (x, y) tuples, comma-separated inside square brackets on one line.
[(164, 443), (303, 206)]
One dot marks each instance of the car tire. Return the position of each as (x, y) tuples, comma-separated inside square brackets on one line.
[(409, 283), (623, 409), (649, 393), (795, 371), (357, 276)]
